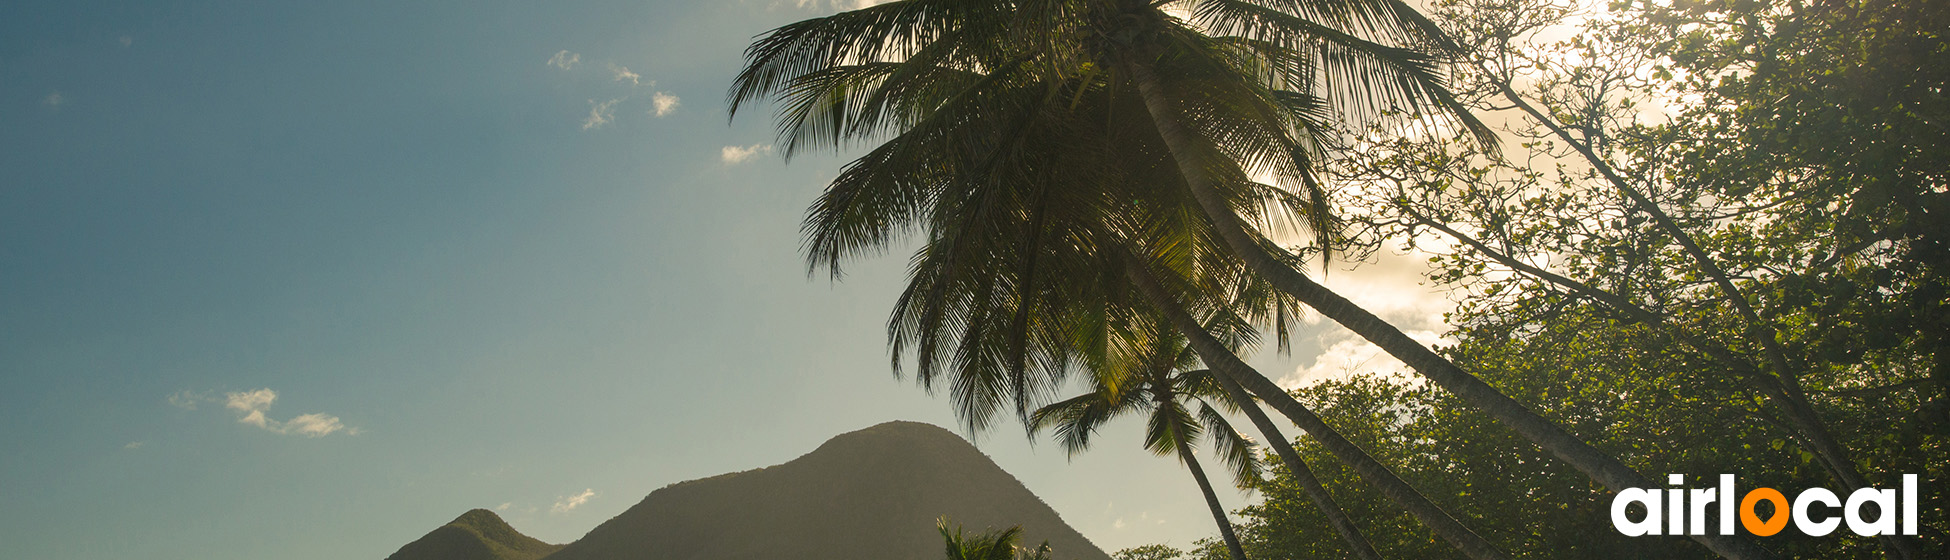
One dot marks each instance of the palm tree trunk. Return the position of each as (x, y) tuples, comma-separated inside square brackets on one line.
[(1598, 465), (1356, 542), (1211, 498), (1225, 364)]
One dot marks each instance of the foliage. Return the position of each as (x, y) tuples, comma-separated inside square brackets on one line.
[(993, 545), (1149, 552), (1797, 148)]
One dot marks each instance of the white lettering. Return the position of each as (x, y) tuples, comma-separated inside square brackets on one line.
[(1885, 501), (1701, 497), (1727, 501), (1808, 525), (1909, 504), (1627, 527)]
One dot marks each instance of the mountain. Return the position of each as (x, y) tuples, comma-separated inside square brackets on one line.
[(873, 494), (475, 535)]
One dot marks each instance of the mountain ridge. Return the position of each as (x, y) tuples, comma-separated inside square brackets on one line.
[(870, 494)]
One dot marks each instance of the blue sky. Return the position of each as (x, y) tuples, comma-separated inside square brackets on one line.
[(465, 255)]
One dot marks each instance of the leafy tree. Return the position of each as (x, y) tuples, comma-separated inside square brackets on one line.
[(1760, 228), (1149, 552)]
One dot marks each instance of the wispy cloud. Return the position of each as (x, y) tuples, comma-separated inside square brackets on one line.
[(600, 113), (251, 408), (734, 155), (623, 74), (188, 400), (564, 60), (570, 503), (664, 103), (134, 445), (1392, 286), (126, 40), (54, 99), (504, 506)]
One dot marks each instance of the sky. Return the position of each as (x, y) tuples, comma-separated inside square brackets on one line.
[(307, 280)]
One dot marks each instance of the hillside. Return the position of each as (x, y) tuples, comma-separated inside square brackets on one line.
[(873, 494), (475, 535)]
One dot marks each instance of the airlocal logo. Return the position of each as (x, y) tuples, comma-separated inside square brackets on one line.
[(1684, 510)]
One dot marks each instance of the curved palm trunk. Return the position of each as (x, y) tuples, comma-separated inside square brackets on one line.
[(1598, 465), (1211, 498), (1227, 365), (1356, 542)]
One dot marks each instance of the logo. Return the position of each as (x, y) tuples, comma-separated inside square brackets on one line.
[(1683, 511)]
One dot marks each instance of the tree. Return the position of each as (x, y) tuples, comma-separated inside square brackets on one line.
[(1223, 109), (1770, 224), (994, 545), (1019, 218), (1160, 385), (1149, 552)]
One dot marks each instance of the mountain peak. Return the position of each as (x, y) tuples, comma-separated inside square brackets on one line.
[(478, 534), (869, 494), (480, 518)]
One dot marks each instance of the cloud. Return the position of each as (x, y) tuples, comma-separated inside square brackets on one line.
[(665, 103), (314, 425), (600, 113), (504, 506), (126, 40), (1392, 287), (134, 445), (623, 74), (734, 155), (189, 400), (251, 407), (1349, 355), (570, 503), (564, 60), (54, 99)]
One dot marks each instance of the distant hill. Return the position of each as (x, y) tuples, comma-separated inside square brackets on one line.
[(475, 535), (873, 494)]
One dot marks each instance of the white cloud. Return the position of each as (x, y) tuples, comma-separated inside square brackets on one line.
[(623, 74), (1349, 355), (314, 425), (734, 155), (189, 400), (1392, 287), (665, 103), (54, 99), (127, 40), (564, 60), (600, 113), (252, 405), (504, 506), (134, 445), (570, 503)]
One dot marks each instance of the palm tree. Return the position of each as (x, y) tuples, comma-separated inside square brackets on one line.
[(1160, 386), (966, 87), (994, 545), (1020, 185)]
